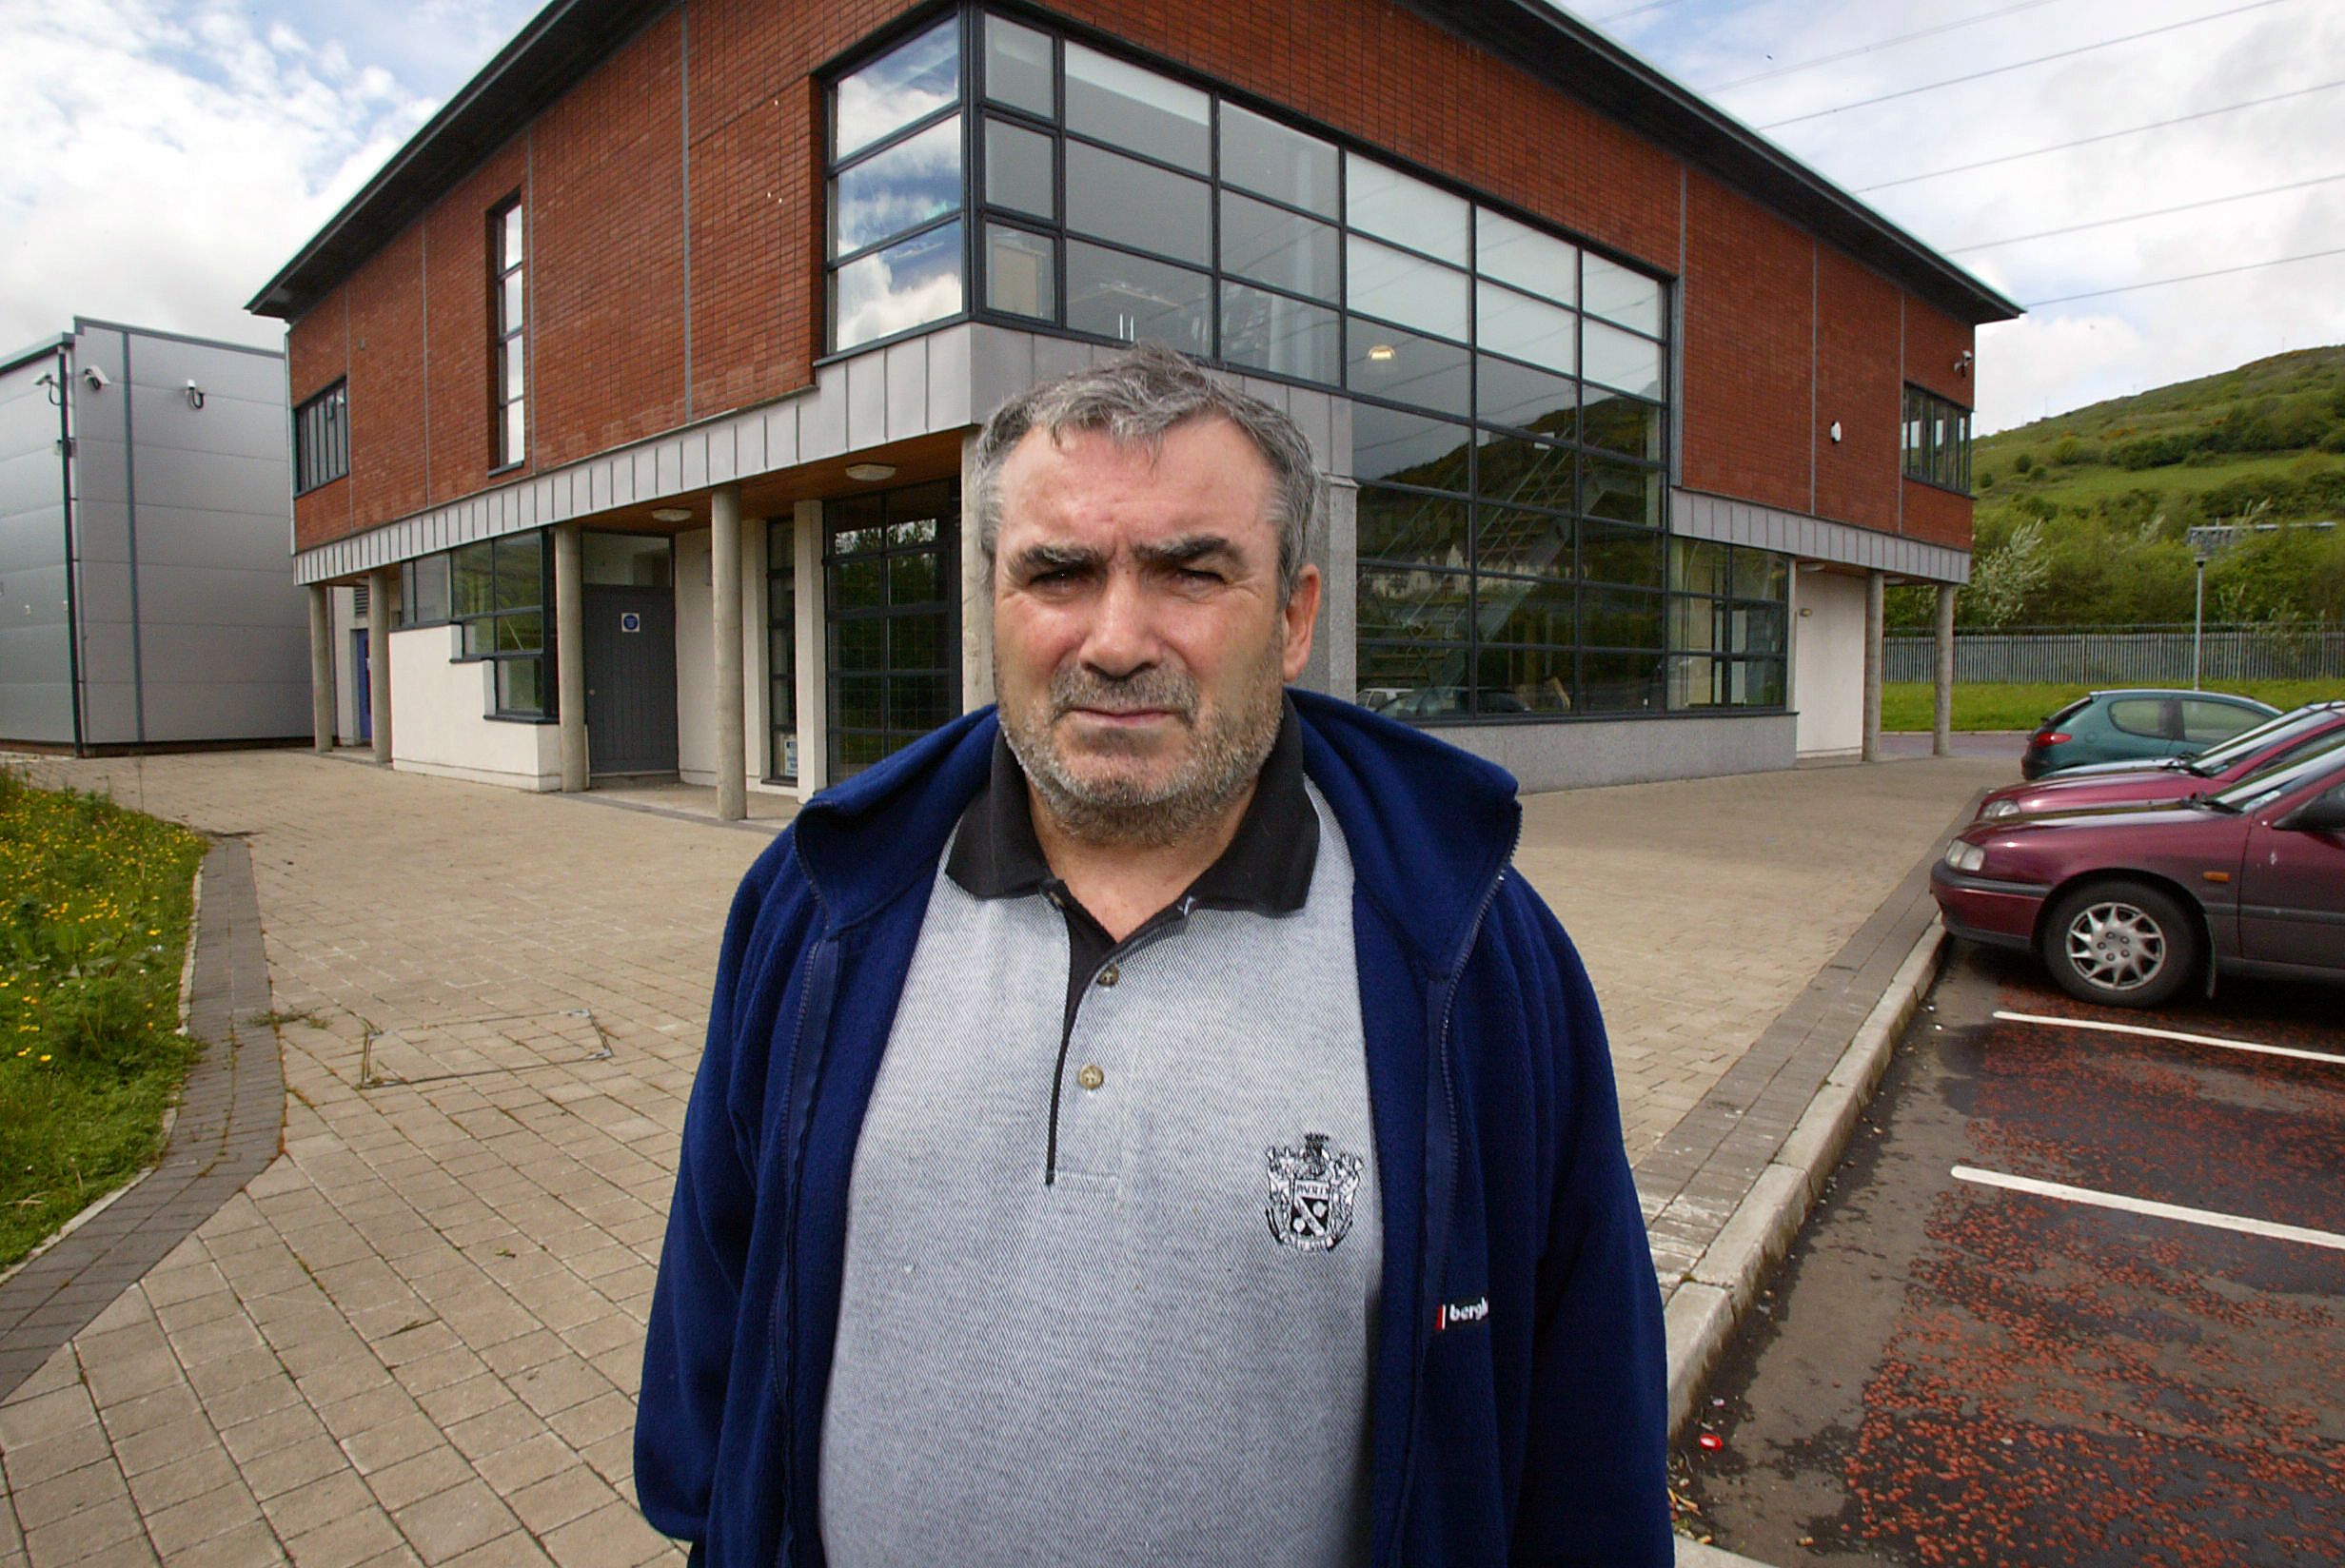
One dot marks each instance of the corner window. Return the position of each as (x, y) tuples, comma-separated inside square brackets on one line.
[(895, 189), (497, 596), (508, 314), (322, 438), (1726, 625), (1937, 440)]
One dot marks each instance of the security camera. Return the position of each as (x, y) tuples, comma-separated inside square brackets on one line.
[(96, 377), (1961, 362)]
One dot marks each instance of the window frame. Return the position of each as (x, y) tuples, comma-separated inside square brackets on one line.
[(1922, 456), (548, 710), (506, 338), (945, 546), (325, 416)]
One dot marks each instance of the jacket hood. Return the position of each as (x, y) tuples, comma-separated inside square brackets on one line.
[(1429, 827)]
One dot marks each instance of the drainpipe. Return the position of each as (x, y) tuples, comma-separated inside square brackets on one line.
[(65, 480)]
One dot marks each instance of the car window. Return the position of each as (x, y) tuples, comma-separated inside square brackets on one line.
[(2068, 713), (2258, 788), (2207, 722), (2141, 716), (2215, 759)]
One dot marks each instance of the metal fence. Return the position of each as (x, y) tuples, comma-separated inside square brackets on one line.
[(2127, 655)]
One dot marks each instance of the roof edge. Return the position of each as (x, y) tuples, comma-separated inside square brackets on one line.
[(32, 351)]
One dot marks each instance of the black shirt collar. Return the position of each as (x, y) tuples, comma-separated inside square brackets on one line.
[(1267, 868)]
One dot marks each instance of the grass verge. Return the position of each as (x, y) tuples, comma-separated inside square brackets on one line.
[(97, 901), (1906, 705)]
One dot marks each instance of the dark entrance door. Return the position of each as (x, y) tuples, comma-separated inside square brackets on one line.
[(630, 679), (365, 687)]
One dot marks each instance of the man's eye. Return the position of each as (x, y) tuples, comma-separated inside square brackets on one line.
[(1198, 574)]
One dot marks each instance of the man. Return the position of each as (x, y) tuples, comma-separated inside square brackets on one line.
[(1154, 1124)]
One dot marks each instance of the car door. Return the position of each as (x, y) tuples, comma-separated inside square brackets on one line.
[(2292, 883)]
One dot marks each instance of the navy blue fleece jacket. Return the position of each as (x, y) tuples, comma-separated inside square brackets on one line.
[(1517, 1412)]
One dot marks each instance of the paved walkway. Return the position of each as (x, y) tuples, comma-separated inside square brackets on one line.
[(415, 1337)]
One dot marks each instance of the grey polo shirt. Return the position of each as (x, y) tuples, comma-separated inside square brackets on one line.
[(1113, 1238)]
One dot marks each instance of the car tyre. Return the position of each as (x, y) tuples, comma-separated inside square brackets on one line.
[(2126, 943)]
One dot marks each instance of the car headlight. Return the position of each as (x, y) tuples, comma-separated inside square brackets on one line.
[(1966, 857), (1997, 809)]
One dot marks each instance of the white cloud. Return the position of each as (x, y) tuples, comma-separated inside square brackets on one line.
[(167, 156), (2066, 354)]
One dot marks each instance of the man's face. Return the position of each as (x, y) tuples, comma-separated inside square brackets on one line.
[(1140, 641)]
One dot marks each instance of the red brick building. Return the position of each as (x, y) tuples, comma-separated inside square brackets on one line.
[(639, 383)]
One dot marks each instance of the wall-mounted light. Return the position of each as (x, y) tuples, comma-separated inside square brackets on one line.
[(1961, 362), (195, 395), (1380, 352), (671, 514), (870, 473), (1834, 432)]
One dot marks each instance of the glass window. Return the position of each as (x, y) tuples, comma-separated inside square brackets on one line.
[(495, 593), (472, 578), (2205, 722), (1525, 473), (1112, 197), (322, 438), (1526, 610), (1127, 107), (899, 288), (908, 185), (1385, 362), (1268, 331), (1017, 68), (1524, 328), (1383, 200), (1022, 273), (1395, 286), (1132, 299), (1761, 574), (1417, 604), (1937, 439), (625, 560), (902, 87), (1700, 566), (1506, 393), (1617, 553), (1519, 254), (1017, 170), (1272, 245), (509, 346), (1410, 449), (2140, 716), (1264, 156), (1413, 680), (895, 669), (1620, 360), (1525, 544), (1405, 525), (1617, 294), (1618, 423)]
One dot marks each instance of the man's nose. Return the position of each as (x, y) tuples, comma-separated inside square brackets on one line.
[(1121, 639)]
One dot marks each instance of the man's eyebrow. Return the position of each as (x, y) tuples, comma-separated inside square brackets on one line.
[(1186, 550), (1054, 558)]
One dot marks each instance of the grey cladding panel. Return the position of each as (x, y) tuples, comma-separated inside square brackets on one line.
[(172, 536), (222, 596), (222, 711), (948, 379), (204, 653), (867, 401), (166, 363), (228, 425), (907, 389), (215, 480)]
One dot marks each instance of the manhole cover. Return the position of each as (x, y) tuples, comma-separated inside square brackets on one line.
[(469, 1047)]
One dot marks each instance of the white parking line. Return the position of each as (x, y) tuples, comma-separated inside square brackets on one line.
[(2174, 1034), (2142, 1206)]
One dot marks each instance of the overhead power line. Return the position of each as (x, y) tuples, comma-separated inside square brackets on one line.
[(2022, 65), (1634, 11), (2136, 217), (2104, 136), (2185, 278), (1883, 44)]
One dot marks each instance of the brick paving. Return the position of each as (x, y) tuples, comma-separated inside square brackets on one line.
[(414, 1337)]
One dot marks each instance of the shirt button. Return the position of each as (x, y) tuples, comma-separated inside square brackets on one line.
[(1109, 975), (1091, 1077)]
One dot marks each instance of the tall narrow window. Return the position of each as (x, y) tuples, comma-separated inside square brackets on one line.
[(1937, 440), (509, 386), (322, 438), (895, 190)]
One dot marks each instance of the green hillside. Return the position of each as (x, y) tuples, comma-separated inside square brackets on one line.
[(2083, 517)]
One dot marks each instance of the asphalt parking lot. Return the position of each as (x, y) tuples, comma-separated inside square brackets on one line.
[(2075, 1296)]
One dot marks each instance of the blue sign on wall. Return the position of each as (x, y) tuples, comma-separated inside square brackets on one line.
[(630, 620)]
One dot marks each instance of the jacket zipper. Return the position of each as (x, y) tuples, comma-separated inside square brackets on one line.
[(1448, 1095)]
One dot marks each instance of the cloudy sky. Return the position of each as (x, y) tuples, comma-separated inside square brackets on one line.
[(164, 157)]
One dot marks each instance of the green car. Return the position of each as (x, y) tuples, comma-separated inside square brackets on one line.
[(2138, 725)]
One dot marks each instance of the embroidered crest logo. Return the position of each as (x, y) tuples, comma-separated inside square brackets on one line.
[(1312, 1193)]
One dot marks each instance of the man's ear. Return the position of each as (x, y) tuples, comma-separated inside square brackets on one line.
[(1302, 618)]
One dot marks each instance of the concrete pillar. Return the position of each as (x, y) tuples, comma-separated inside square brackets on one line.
[(814, 657), (570, 654), (1334, 666), (320, 668), (382, 593), (724, 577), (977, 592), (1875, 584), (1942, 721)]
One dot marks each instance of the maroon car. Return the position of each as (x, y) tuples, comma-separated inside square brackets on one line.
[(2268, 745), (2128, 905)]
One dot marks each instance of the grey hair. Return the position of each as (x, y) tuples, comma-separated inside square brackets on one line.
[(1137, 396)]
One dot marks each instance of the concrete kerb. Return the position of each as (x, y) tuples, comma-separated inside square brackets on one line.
[(1705, 1311)]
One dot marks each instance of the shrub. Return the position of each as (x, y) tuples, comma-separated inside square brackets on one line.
[(2334, 440), (2022, 463), (2153, 451)]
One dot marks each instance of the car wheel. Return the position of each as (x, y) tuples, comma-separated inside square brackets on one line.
[(2124, 943)]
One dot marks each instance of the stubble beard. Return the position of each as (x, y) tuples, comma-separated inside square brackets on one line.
[(1119, 807)]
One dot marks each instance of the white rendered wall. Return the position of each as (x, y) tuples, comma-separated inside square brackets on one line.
[(696, 658), (346, 620), (437, 725), (1827, 663)]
